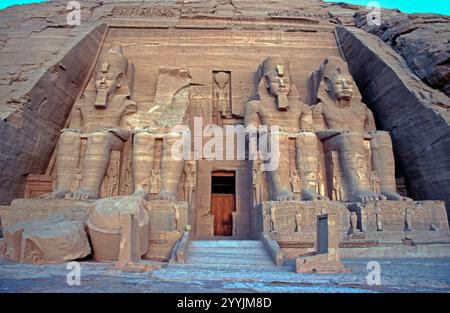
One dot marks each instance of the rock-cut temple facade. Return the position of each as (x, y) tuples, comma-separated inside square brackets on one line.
[(297, 125)]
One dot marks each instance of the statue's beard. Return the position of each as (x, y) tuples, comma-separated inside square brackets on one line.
[(102, 98), (282, 101)]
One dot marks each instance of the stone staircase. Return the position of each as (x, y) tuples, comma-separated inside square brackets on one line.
[(229, 254)]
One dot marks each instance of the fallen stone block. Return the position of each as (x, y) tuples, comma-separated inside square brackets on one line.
[(52, 240)]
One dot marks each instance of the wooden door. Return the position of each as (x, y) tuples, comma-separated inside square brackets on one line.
[(222, 207)]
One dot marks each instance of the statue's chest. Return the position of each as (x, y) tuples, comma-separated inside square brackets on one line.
[(92, 114), (344, 118), (271, 115)]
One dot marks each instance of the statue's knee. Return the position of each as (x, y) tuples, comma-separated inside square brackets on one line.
[(306, 139), (381, 138), (351, 139), (143, 139), (98, 141), (69, 138)]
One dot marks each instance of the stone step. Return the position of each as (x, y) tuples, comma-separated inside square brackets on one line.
[(232, 268), (228, 253), (241, 244), (228, 260), (224, 255)]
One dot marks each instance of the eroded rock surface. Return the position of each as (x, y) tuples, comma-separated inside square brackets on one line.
[(422, 39)]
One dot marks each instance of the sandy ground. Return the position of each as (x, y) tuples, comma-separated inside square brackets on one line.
[(397, 275)]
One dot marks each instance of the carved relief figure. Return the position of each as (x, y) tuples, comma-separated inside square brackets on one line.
[(378, 216), (257, 180), (272, 219), (353, 223), (190, 172), (295, 182), (155, 182), (222, 93), (298, 221), (279, 105), (374, 182), (343, 123), (408, 219), (99, 120)]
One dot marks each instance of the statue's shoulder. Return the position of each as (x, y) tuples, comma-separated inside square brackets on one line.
[(253, 105), (317, 108), (131, 104), (360, 107)]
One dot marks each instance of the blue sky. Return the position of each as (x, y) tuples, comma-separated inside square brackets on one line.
[(7, 3), (408, 6)]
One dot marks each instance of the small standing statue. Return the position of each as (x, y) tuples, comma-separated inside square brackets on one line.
[(298, 219), (272, 219), (375, 182), (256, 181), (320, 185), (408, 219), (353, 223), (295, 182), (177, 216), (189, 184), (337, 195), (378, 214), (155, 182)]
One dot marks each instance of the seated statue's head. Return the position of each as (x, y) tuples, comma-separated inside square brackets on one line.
[(337, 80), (110, 74), (277, 80)]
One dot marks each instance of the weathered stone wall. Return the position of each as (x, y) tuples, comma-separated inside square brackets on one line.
[(416, 115)]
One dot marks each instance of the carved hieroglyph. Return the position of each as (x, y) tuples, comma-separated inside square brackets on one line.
[(100, 122), (279, 105), (343, 124)]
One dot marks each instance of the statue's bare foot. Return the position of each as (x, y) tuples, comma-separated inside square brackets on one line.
[(311, 195), (395, 196), (82, 194), (141, 194), (367, 196), (286, 195), (166, 195)]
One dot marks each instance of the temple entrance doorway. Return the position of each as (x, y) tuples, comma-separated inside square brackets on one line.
[(223, 201)]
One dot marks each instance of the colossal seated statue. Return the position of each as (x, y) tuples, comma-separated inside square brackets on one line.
[(356, 150), (169, 110), (278, 104), (101, 121)]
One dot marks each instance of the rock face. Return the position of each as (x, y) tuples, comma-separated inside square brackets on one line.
[(422, 39)]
